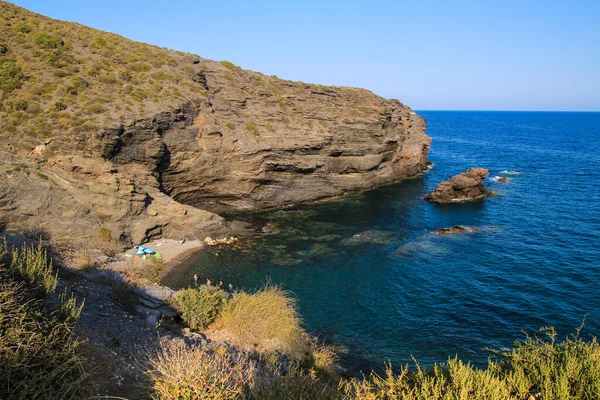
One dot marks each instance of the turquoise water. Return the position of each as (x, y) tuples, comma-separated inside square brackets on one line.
[(369, 275)]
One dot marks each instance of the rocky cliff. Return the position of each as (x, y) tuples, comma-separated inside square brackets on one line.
[(231, 140)]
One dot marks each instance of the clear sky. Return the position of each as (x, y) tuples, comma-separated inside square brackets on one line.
[(485, 55)]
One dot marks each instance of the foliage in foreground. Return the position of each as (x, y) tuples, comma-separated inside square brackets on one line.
[(536, 368), (200, 307), (180, 372), (37, 352), (264, 321)]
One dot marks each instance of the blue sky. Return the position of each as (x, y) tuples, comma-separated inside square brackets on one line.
[(485, 55)]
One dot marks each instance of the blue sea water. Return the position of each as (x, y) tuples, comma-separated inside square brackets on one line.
[(369, 274)]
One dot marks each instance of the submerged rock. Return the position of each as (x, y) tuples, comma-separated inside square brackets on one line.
[(502, 179), (370, 236), (454, 230), (462, 187)]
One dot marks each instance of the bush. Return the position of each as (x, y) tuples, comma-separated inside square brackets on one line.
[(264, 321), (72, 90), (79, 82), (200, 307), (228, 64), (11, 76), (537, 368), (101, 42), (22, 28), (251, 127), (107, 79), (60, 105), (104, 241), (37, 350), (48, 41), (20, 105), (3, 48), (138, 94), (95, 108), (179, 372)]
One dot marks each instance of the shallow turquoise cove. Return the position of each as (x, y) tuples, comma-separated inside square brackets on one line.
[(371, 276)]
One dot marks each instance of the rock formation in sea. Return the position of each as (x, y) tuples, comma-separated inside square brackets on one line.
[(462, 187), (456, 229), (144, 141)]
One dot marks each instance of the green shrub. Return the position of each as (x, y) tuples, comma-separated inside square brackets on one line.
[(11, 76), (95, 108), (20, 105), (108, 79), (3, 48), (37, 349), (138, 94), (60, 105), (228, 64), (48, 41), (537, 368), (100, 42), (200, 307), (124, 76), (139, 67), (230, 125), (72, 90), (79, 82), (251, 127), (22, 28)]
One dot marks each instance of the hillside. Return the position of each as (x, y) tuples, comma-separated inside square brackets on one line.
[(103, 132)]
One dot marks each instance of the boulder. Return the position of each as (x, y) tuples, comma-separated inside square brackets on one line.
[(462, 187)]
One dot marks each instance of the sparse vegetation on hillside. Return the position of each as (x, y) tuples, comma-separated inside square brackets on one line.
[(65, 69)]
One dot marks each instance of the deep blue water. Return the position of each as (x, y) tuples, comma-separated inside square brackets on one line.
[(397, 290)]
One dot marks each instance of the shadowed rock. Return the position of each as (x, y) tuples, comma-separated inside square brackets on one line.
[(462, 187)]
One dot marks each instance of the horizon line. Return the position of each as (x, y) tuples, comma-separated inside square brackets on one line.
[(501, 110)]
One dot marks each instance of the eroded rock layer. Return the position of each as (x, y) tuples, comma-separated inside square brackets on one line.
[(258, 142)]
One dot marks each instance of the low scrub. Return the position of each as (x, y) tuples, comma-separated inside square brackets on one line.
[(537, 368), (200, 307), (38, 358), (179, 372), (265, 320)]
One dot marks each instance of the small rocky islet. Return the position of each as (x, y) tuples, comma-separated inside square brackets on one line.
[(466, 186)]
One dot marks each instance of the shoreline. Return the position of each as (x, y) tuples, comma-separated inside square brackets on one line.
[(172, 252)]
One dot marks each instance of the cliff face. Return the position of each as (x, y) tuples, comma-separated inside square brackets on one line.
[(145, 142), (257, 142)]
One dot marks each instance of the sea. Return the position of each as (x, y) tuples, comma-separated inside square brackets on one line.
[(372, 278)]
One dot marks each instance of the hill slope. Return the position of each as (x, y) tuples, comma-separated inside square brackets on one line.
[(101, 131)]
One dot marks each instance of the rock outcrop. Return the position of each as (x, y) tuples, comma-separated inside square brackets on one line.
[(462, 187), (259, 142), (174, 138)]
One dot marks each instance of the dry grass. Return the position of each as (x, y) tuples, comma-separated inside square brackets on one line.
[(38, 358), (537, 368), (179, 372), (264, 321)]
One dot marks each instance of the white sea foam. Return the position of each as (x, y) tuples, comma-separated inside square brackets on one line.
[(511, 172)]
